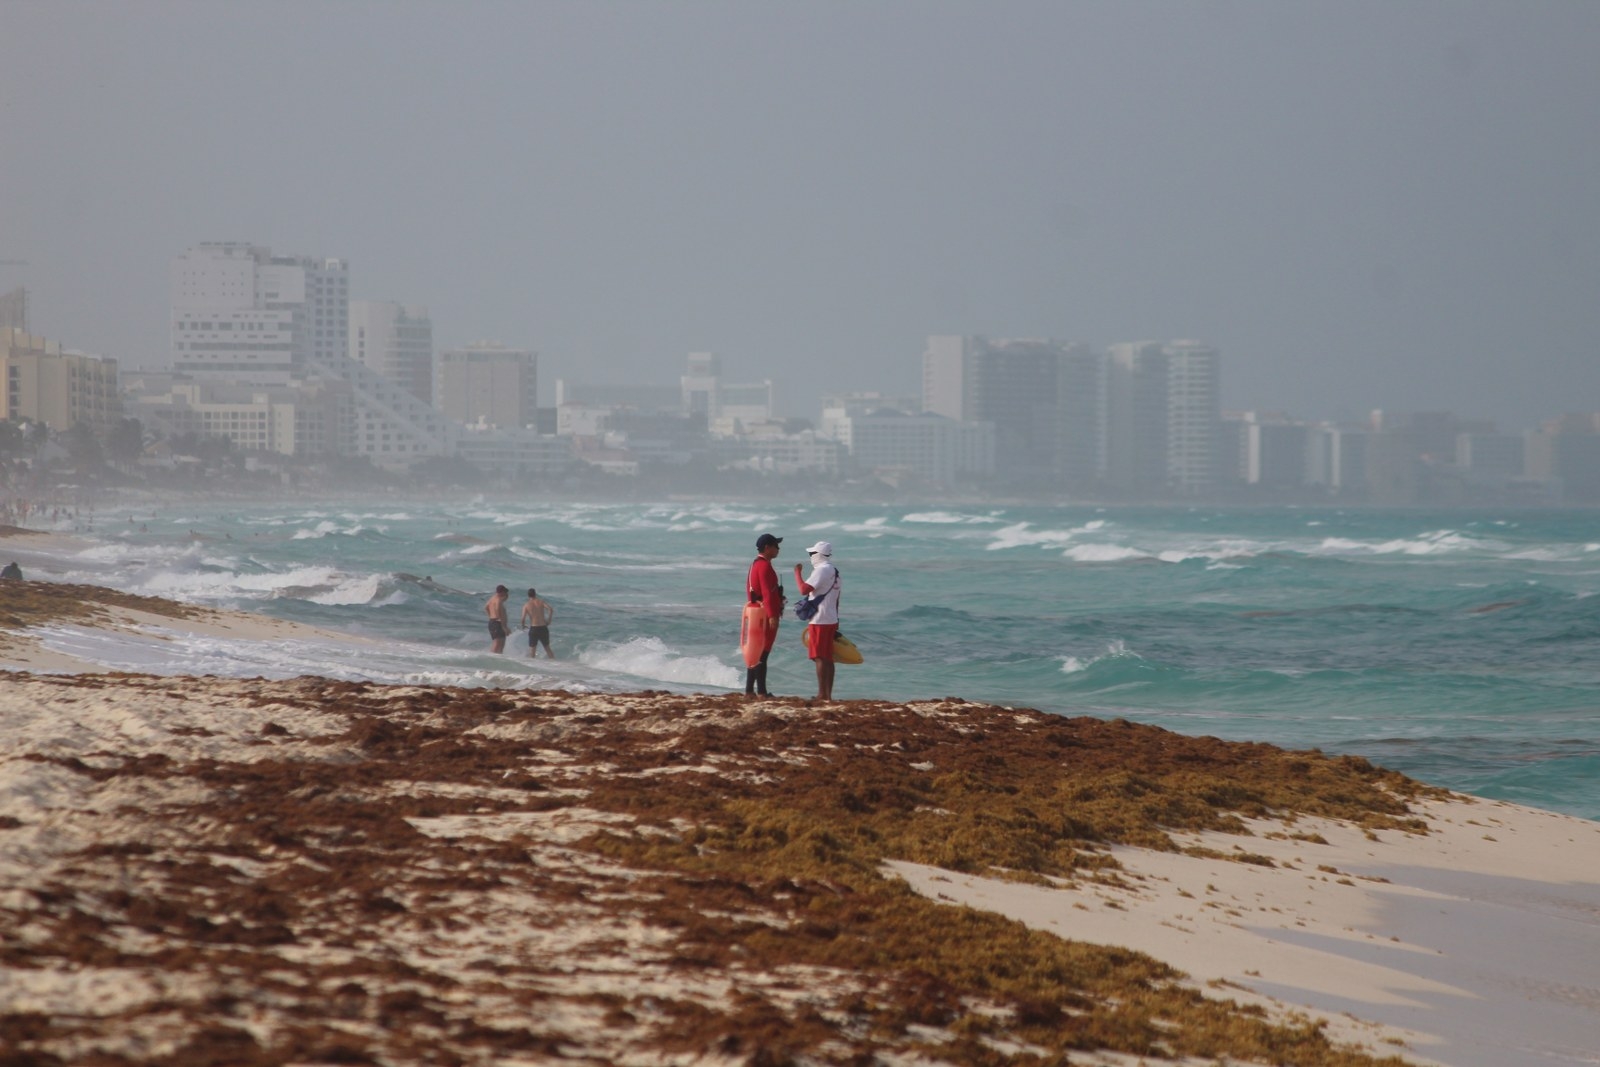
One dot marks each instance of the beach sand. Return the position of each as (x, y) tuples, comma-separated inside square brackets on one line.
[(210, 870), (1472, 945)]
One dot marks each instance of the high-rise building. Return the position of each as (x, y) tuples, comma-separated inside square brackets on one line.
[(1042, 396), (1081, 394), (243, 316), (1136, 418), (1164, 432), (490, 384), (1194, 416), (241, 312), (396, 340)]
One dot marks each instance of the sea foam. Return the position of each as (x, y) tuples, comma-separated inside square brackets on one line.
[(650, 657)]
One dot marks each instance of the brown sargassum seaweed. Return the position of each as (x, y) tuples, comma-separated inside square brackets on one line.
[(398, 893), (25, 603)]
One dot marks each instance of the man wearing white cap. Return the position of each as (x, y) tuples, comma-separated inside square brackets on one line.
[(823, 585)]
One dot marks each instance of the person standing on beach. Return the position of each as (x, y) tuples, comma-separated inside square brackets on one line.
[(761, 587), (537, 617), (495, 608), (824, 586)]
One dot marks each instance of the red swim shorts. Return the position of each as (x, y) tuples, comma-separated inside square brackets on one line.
[(819, 640)]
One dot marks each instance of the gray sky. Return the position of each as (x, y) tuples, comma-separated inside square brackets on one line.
[(1362, 203)]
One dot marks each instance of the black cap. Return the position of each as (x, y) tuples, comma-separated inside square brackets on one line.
[(767, 539)]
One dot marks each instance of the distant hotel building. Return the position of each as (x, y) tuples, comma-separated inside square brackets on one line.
[(242, 316), (1164, 419), (1136, 417), (243, 313), (45, 383), (396, 340), (489, 384), (1194, 417), (1268, 450), (299, 419), (1042, 397), (726, 406), (890, 438)]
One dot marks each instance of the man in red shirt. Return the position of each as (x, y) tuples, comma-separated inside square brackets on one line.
[(761, 586)]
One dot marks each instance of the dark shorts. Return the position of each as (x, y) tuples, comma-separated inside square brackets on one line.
[(497, 630), (539, 635), (819, 640)]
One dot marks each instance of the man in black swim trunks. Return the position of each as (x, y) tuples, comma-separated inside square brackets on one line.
[(537, 615), (495, 608)]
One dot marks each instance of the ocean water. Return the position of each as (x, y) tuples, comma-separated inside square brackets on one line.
[(1463, 649)]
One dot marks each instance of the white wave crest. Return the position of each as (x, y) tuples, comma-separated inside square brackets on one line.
[(118, 552), (1545, 555), (947, 518), (1435, 542), (1335, 545), (321, 529), (1103, 553), (1023, 535), (1117, 649), (351, 591), (650, 657), (306, 583), (1220, 550)]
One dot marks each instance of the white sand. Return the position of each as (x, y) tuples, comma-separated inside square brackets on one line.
[(1475, 945)]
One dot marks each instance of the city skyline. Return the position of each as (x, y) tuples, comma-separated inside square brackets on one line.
[(1364, 205), (396, 312)]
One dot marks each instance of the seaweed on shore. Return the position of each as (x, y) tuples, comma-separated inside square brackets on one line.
[(478, 876), (31, 603)]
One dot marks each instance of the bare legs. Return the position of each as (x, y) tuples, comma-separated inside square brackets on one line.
[(824, 679)]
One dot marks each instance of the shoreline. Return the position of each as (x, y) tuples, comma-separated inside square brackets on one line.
[(592, 871), (30, 608)]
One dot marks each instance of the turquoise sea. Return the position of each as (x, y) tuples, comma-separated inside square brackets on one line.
[(1463, 649)]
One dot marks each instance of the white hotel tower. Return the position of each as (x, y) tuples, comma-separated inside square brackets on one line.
[(241, 312), (256, 337)]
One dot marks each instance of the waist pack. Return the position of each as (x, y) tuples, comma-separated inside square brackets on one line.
[(806, 607)]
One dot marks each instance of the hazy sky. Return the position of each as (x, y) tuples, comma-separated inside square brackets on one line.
[(1360, 203)]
